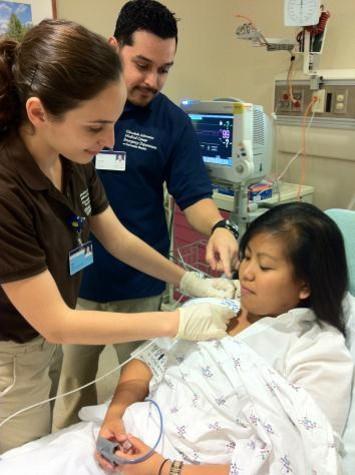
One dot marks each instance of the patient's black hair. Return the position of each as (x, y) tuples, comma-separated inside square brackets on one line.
[(145, 15), (315, 247)]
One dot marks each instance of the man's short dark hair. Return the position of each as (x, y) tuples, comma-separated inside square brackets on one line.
[(145, 15)]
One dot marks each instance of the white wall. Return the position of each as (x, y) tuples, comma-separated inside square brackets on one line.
[(211, 62)]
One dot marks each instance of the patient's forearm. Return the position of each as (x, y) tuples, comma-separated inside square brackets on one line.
[(132, 387), (200, 469), (127, 394), (206, 470)]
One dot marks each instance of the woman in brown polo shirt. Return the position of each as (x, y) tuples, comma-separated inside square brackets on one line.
[(61, 93)]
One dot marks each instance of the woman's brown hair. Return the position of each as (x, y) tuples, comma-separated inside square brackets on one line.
[(60, 62)]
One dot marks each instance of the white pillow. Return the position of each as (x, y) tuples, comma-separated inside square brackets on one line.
[(349, 433)]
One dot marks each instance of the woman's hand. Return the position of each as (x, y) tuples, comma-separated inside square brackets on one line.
[(112, 429), (138, 449), (203, 321)]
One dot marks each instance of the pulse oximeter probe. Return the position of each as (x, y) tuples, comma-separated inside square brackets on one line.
[(107, 448)]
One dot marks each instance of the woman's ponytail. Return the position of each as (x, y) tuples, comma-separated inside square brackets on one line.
[(10, 108)]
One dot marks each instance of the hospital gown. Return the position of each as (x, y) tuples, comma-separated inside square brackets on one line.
[(238, 401)]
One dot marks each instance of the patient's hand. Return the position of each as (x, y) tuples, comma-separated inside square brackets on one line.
[(112, 429), (148, 467)]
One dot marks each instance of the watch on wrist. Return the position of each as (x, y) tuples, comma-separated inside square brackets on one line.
[(227, 224), (176, 467)]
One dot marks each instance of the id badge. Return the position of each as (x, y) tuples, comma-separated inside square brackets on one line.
[(111, 160), (80, 257)]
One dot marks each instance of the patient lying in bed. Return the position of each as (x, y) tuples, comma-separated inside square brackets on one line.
[(271, 397)]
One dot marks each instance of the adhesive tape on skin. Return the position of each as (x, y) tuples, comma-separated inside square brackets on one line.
[(230, 303)]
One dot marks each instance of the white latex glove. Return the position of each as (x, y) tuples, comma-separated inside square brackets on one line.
[(203, 321), (194, 285), (237, 292)]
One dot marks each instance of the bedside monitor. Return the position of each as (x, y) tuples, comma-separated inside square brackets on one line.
[(235, 139)]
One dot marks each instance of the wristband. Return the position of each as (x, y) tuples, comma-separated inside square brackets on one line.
[(227, 224), (176, 467), (162, 465)]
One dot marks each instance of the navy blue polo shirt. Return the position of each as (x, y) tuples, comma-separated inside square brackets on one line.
[(161, 146)]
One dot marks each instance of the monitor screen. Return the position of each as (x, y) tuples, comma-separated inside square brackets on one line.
[(215, 134)]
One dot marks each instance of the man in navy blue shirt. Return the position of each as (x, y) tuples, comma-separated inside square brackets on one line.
[(155, 143)]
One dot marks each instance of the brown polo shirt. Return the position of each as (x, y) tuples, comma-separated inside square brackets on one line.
[(35, 226)]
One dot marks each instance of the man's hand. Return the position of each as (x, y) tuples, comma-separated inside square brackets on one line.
[(237, 292), (195, 285), (222, 251)]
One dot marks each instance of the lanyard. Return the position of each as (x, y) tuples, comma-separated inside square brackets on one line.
[(77, 224)]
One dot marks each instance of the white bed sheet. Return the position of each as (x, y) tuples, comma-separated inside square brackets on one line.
[(80, 439), (263, 425)]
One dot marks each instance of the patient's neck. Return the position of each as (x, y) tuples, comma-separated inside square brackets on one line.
[(241, 321)]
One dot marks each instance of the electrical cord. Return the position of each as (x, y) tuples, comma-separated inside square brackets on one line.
[(133, 355), (303, 147), (292, 159)]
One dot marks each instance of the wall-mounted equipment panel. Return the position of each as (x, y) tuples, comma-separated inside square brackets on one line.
[(335, 107)]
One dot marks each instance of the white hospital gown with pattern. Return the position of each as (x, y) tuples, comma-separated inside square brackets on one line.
[(224, 403), (238, 401)]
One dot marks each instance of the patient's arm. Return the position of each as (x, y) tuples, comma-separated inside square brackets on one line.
[(152, 465), (132, 387)]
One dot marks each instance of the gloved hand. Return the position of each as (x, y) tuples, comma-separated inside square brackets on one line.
[(237, 292), (203, 321), (194, 285)]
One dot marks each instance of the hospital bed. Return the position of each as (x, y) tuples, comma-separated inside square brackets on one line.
[(346, 222), (83, 435)]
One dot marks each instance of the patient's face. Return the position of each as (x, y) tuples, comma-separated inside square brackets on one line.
[(268, 285)]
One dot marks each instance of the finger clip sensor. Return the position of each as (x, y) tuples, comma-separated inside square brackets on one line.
[(107, 449)]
